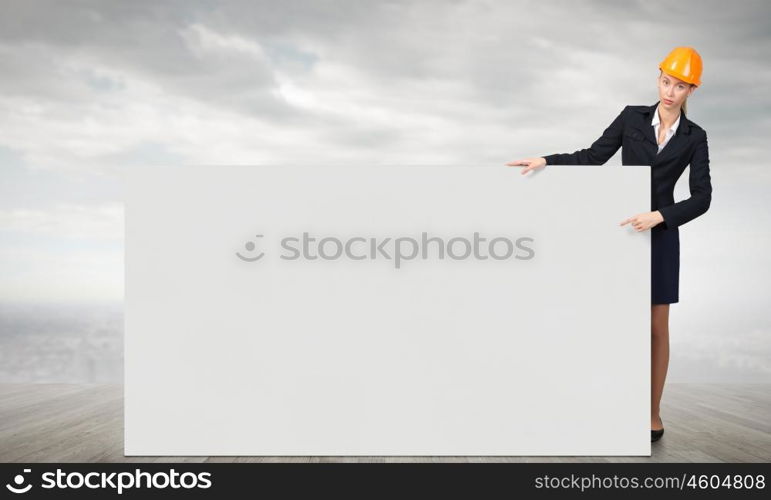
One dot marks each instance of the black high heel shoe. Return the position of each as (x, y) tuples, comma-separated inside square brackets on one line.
[(656, 434)]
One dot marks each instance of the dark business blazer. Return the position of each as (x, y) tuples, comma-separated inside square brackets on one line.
[(633, 132)]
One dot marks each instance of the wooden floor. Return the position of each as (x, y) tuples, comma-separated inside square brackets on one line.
[(84, 423)]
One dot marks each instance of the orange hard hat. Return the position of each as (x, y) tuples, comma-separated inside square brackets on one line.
[(683, 63)]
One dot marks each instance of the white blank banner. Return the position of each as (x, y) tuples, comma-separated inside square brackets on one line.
[(531, 336)]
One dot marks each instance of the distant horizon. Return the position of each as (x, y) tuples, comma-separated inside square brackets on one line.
[(24, 332)]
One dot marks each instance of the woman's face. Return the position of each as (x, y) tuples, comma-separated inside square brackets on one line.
[(673, 91)]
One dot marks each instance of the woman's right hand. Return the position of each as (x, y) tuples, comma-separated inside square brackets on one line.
[(529, 164)]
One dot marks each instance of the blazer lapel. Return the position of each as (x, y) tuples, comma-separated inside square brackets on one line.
[(646, 129), (677, 140), (649, 131), (651, 142)]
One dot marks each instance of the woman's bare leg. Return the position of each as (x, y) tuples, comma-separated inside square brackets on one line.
[(659, 359)]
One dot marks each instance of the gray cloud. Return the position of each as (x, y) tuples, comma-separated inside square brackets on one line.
[(465, 64)]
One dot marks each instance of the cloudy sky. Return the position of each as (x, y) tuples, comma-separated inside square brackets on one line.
[(88, 88)]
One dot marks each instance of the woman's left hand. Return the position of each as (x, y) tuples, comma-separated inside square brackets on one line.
[(643, 221)]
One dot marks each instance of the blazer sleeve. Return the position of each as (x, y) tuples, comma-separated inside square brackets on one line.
[(599, 152), (700, 185)]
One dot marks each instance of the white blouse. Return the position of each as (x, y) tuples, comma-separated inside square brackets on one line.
[(670, 133)]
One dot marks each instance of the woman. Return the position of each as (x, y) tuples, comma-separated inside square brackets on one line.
[(664, 138)]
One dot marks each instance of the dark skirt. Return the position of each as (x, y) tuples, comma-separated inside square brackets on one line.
[(665, 265)]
